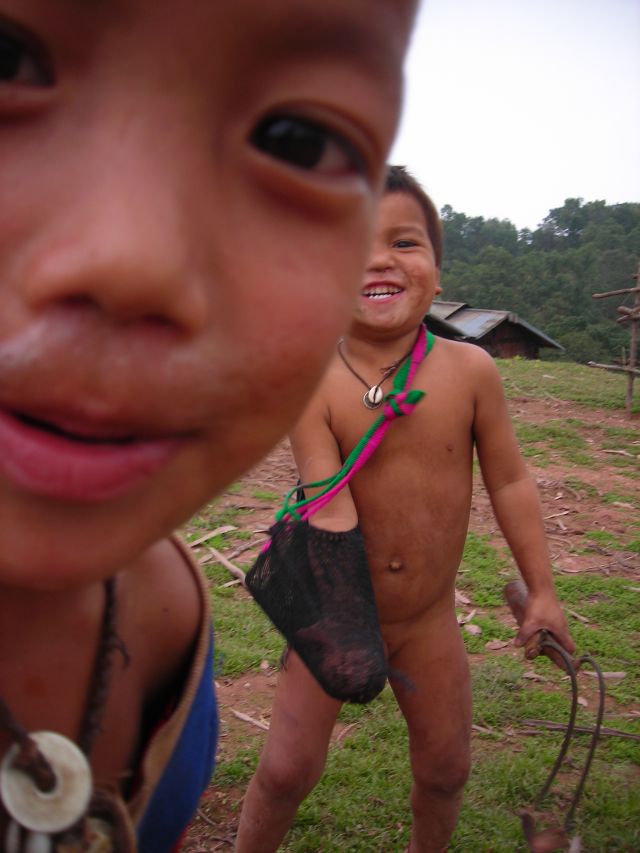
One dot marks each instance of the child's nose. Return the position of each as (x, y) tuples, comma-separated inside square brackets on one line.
[(123, 246), (381, 258)]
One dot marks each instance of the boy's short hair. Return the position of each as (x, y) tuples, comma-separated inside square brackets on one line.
[(400, 180)]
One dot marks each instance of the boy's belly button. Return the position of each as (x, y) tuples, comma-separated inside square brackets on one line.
[(396, 565)]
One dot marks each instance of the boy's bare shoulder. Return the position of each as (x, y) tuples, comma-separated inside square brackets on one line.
[(160, 605), (460, 352), (331, 388), (467, 364)]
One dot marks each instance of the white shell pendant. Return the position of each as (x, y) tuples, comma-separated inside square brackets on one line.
[(35, 842), (374, 397), (13, 838), (52, 811)]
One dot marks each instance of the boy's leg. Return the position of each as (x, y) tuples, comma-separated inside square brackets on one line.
[(437, 708), (292, 760)]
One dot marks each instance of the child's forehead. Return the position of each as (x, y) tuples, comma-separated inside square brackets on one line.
[(309, 25), (311, 29), (240, 36), (400, 209)]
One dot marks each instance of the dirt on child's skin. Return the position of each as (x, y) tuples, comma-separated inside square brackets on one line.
[(578, 498)]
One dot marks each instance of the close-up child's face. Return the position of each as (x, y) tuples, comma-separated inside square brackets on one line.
[(186, 196)]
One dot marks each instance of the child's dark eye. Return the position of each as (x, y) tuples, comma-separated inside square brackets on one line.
[(307, 145), (404, 244), (19, 66)]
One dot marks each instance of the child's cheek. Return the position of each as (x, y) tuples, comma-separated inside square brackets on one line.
[(283, 318)]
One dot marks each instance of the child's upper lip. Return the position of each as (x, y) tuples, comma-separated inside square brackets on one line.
[(72, 421), (71, 370)]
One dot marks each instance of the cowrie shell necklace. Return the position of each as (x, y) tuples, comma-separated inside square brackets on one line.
[(374, 394)]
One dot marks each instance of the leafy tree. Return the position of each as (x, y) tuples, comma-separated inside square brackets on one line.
[(548, 275)]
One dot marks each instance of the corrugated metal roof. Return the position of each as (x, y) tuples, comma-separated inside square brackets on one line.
[(475, 323), (441, 327), (443, 309)]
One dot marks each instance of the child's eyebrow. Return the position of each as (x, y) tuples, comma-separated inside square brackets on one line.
[(407, 229), (81, 4), (312, 34)]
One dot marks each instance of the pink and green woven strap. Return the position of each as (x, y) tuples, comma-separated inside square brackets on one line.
[(397, 403)]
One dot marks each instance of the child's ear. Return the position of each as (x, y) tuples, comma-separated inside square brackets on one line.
[(438, 289)]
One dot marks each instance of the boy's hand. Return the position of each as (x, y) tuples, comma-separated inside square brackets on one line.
[(543, 610)]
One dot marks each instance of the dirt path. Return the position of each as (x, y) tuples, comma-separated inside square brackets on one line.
[(598, 492)]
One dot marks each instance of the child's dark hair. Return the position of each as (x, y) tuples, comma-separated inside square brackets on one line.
[(400, 180)]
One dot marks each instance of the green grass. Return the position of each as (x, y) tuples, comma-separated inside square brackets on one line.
[(244, 635), (596, 389), (565, 441), (581, 487), (478, 576), (267, 497), (602, 537), (604, 542), (212, 517), (615, 497)]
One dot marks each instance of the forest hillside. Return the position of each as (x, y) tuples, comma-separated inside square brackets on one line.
[(548, 275)]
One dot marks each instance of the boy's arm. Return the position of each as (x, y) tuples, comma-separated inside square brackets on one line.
[(317, 456), (515, 502)]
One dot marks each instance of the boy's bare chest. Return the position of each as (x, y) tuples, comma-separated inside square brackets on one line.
[(413, 495), (439, 431)]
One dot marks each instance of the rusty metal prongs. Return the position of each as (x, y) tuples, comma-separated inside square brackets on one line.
[(569, 820), (547, 640)]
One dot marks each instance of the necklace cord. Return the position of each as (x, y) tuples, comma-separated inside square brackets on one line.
[(29, 758), (398, 402), (98, 691), (386, 372)]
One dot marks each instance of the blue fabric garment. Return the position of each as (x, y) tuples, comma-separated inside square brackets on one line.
[(187, 773)]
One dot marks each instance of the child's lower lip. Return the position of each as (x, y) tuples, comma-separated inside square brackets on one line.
[(56, 466)]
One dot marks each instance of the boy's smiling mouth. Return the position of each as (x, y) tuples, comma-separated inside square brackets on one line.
[(77, 461), (380, 291)]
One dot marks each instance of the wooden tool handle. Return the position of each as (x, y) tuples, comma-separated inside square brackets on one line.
[(516, 595)]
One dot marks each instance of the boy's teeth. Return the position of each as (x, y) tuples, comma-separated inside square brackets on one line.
[(380, 294)]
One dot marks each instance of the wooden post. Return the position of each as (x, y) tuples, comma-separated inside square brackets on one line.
[(631, 316), (633, 345)]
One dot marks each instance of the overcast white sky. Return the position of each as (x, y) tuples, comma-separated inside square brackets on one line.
[(512, 106)]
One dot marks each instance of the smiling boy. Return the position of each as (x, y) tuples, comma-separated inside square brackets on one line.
[(186, 195), (412, 501)]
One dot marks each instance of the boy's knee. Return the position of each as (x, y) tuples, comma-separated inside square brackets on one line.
[(445, 773), (291, 777)]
